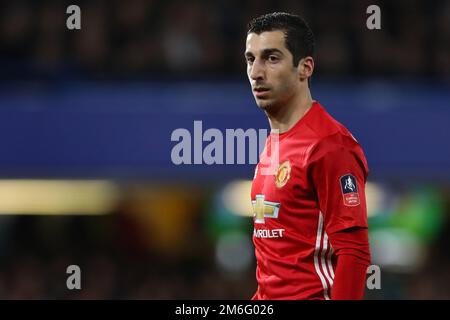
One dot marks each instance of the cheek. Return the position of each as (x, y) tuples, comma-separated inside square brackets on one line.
[(249, 72), (285, 82)]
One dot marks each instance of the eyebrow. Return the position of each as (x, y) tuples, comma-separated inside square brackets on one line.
[(265, 52)]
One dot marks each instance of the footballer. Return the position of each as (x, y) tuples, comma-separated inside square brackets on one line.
[(310, 217)]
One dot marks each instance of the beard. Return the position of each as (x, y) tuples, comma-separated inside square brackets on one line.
[(277, 97), (264, 105), (268, 105)]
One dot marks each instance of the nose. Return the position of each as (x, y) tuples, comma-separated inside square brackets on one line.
[(257, 70)]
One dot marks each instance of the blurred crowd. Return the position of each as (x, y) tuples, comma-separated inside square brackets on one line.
[(103, 276), (36, 252), (116, 263), (199, 38)]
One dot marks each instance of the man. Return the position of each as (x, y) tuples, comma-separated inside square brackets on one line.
[(310, 222)]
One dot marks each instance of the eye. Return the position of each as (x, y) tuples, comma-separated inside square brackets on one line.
[(273, 58), (250, 60)]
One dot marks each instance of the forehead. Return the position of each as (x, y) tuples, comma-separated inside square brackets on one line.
[(265, 40)]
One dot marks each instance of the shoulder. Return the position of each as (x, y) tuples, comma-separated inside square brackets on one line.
[(324, 125), (332, 139)]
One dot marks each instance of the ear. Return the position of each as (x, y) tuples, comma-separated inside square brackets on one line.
[(305, 68)]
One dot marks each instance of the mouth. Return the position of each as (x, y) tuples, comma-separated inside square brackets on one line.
[(260, 91)]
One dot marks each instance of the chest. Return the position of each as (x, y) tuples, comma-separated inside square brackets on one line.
[(282, 195), (281, 173)]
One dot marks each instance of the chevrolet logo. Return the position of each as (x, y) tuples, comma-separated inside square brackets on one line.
[(264, 209)]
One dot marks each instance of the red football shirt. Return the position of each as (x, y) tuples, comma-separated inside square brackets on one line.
[(316, 188)]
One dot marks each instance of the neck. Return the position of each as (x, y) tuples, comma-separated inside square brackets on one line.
[(285, 117)]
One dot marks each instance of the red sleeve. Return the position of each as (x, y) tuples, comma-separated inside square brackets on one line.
[(338, 173), (351, 247)]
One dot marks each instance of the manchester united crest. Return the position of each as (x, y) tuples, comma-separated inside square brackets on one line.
[(283, 174)]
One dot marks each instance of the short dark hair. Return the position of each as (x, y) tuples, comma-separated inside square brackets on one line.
[(299, 38)]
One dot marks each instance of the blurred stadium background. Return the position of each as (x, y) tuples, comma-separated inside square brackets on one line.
[(86, 118)]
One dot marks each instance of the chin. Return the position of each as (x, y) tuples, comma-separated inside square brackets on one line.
[(264, 104)]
